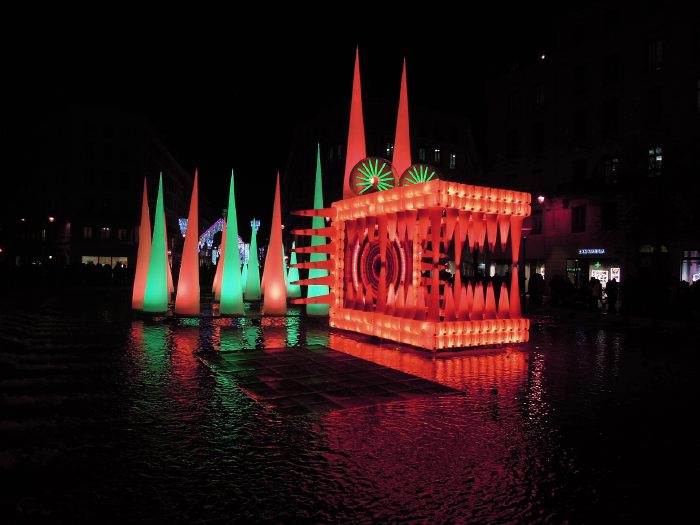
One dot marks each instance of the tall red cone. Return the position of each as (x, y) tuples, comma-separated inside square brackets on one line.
[(514, 295), (187, 299), (216, 287), (503, 303), (402, 141), (356, 133), (275, 302), (144, 253)]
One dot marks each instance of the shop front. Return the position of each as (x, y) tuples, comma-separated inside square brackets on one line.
[(590, 263)]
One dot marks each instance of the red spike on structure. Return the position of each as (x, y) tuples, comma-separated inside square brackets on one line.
[(478, 304), (331, 213), (328, 280), (409, 310), (450, 310), (216, 286), (187, 299), (323, 265), (481, 231), (472, 233), (144, 253), (491, 230), (490, 306), (399, 305), (516, 227), (514, 296), (402, 142), (435, 218), (464, 304), (319, 299), (390, 308), (503, 303), (322, 248), (309, 232), (470, 297), (356, 133), (504, 226), (275, 301)]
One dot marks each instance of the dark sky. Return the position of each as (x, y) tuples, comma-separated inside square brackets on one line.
[(225, 91)]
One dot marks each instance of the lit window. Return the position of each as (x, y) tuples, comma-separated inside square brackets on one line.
[(656, 159), (389, 150), (436, 156), (104, 233), (610, 170), (656, 55), (87, 232), (453, 161), (421, 151)]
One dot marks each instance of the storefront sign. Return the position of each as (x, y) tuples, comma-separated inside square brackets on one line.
[(591, 251)]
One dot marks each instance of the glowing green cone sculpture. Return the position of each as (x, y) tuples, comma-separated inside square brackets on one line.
[(156, 297), (315, 290), (252, 287), (244, 277), (231, 289), (293, 290)]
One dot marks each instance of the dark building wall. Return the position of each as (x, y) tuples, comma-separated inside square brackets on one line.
[(88, 174), (609, 119)]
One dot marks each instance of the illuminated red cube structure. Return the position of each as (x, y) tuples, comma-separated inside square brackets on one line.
[(388, 255)]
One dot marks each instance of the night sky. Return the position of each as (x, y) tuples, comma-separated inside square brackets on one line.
[(226, 92)]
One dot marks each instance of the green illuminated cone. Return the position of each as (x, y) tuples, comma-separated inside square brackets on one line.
[(252, 287), (156, 297), (244, 277), (293, 290), (315, 290), (231, 289)]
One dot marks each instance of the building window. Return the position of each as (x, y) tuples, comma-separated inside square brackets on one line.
[(610, 170), (579, 171), (421, 154), (330, 153), (512, 144), (43, 234), (87, 232), (436, 156), (656, 55), (536, 222), (538, 138), (580, 125), (453, 161), (608, 215), (104, 234), (578, 219), (539, 94), (389, 150), (656, 159), (121, 234)]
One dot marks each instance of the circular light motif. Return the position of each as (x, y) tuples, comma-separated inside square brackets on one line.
[(417, 173), (372, 174)]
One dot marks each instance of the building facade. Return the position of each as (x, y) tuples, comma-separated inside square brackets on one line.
[(604, 130)]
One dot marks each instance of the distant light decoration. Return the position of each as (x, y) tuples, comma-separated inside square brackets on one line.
[(23, 219), (540, 199), (388, 252), (591, 251), (52, 219), (542, 56), (183, 226), (615, 273), (372, 174), (207, 238)]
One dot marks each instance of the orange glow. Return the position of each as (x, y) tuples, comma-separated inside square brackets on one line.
[(275, 301), (388, 250), (144, 253), (187, 299), (356, 134)]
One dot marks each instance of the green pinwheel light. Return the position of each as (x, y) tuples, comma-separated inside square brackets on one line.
[(419, 173), (373, 174)]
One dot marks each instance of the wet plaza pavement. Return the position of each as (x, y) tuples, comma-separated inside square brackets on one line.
[(110, 418)]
